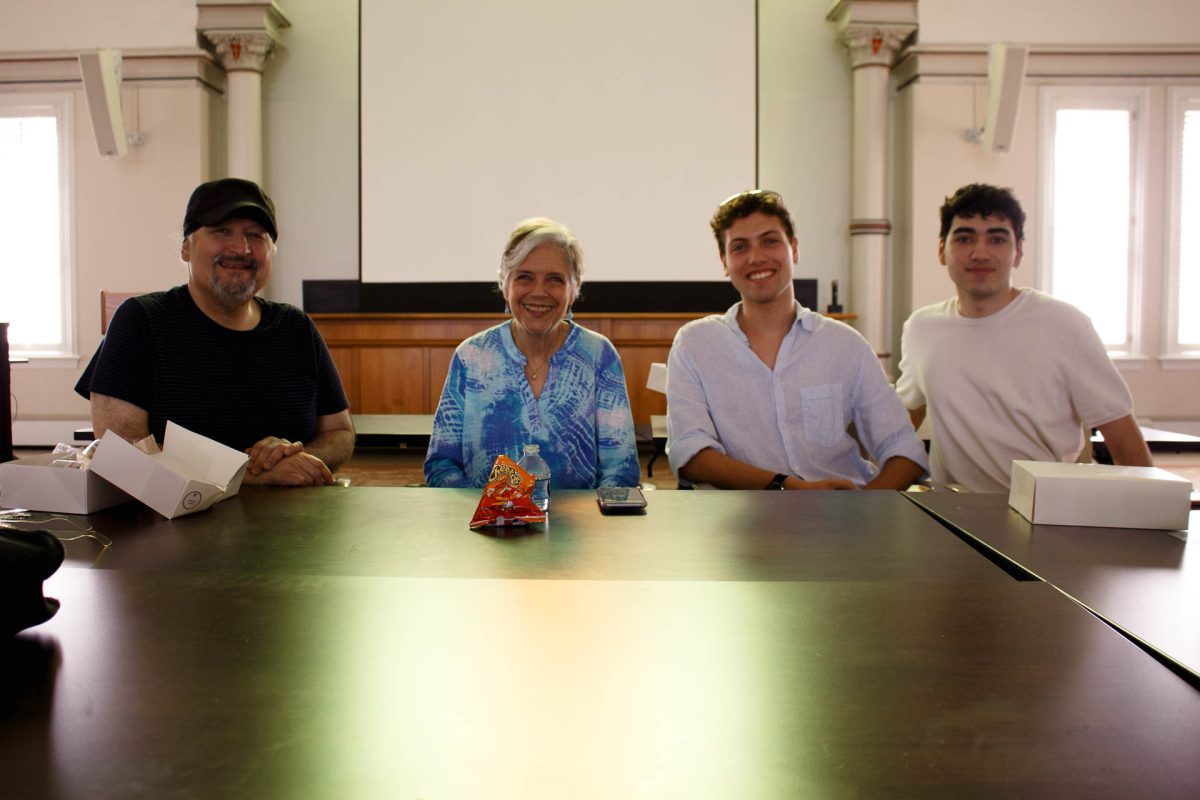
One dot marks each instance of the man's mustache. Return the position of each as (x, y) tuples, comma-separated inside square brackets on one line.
[(236, 261)]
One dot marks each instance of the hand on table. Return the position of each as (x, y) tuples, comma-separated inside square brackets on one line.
[(269, 451), (280, 462)]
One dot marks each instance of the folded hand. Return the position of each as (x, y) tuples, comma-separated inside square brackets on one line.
[(297, 469), (269, 451)]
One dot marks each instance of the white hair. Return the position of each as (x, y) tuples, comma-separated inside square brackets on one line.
[(533, 233)]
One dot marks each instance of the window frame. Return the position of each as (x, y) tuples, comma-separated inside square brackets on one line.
[(1180, 99), (1135, 100), (59, 105)]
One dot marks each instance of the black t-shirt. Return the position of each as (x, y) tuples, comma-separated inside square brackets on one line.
[(163, 354)]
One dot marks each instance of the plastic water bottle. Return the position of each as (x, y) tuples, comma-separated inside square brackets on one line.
[(533, 463)]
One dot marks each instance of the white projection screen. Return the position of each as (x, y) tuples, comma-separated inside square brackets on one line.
[(627, 120)]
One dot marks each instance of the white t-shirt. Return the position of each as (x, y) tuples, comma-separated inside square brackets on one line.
[(1019, 384)]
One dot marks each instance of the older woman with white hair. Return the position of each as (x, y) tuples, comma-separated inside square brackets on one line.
[(537, 378)]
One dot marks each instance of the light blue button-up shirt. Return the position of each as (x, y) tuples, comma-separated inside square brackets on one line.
[(793, 418)]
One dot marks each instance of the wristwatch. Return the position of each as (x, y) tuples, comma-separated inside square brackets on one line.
[(777, 482)]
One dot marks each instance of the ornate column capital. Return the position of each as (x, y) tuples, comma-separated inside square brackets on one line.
[(242, 33), (873, 45), (242, 50), (873, 31)]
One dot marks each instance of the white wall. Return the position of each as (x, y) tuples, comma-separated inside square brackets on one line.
[(31, 25), (1154, 22), (804, 96), (310, 122)]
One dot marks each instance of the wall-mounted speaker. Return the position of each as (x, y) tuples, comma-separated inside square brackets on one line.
[(101, 73), (1006, 76)]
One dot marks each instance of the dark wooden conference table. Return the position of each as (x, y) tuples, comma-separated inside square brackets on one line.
[(1145, 582), (362, 642)]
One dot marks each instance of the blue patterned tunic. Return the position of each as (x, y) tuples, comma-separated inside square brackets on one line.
[(581, 421)]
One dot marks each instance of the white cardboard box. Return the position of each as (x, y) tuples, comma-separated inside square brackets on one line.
[(33, 484), (1101, 495), (190, 473)]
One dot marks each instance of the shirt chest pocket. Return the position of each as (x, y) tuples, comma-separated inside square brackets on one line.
[(821, 408)]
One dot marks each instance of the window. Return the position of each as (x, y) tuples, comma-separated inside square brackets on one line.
[(1094, 153), (37, 297), (1183, 280)]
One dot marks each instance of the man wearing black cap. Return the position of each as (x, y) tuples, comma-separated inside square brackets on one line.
[(211, 356)]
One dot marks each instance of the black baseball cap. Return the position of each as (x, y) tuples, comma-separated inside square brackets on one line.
[(229, 197)]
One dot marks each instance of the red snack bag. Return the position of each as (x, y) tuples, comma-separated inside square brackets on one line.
[(506, 497)]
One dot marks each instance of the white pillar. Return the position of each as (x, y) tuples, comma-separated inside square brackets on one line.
[(243, 56), (244, 121), (243, 34), (872, 32), (869, 226)]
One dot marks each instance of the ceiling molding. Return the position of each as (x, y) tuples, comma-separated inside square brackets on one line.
[(1051, 63), (62, 67)]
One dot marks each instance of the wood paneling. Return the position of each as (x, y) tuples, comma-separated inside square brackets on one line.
[(346, 361), (392, 380), (636, 361), (397, 363)]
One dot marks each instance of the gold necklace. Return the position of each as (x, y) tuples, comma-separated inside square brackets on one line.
[(535, 371)]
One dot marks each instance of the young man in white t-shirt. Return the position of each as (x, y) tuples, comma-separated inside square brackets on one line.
[(1006, 373)]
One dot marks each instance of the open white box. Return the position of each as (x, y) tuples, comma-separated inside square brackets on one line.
[(1100, 495), (33, 484), (190, 473)]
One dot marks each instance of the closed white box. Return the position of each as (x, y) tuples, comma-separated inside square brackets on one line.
[(189, 474), (33, 484), (1100, 495)]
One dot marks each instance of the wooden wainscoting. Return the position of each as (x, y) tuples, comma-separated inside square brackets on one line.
[(397, 363)]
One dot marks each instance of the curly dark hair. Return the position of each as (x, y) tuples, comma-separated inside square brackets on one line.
[(983, 200), (743, 204)]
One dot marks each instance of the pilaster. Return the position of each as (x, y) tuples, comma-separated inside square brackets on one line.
[(873, 32), (243, 34)]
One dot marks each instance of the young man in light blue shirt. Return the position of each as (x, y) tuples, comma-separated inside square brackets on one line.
[(761, 397)]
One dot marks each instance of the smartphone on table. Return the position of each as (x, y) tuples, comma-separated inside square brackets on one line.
[(620, 499)]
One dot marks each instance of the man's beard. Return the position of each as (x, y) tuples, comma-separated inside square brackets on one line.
[(234, 295)]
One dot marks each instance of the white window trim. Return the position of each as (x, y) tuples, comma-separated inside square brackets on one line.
[(1136, 100), (1184, 362), (60, 105), (1179, 100)]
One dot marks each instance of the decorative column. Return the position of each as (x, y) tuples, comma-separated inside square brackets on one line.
[(872, 31), (243, 34)]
